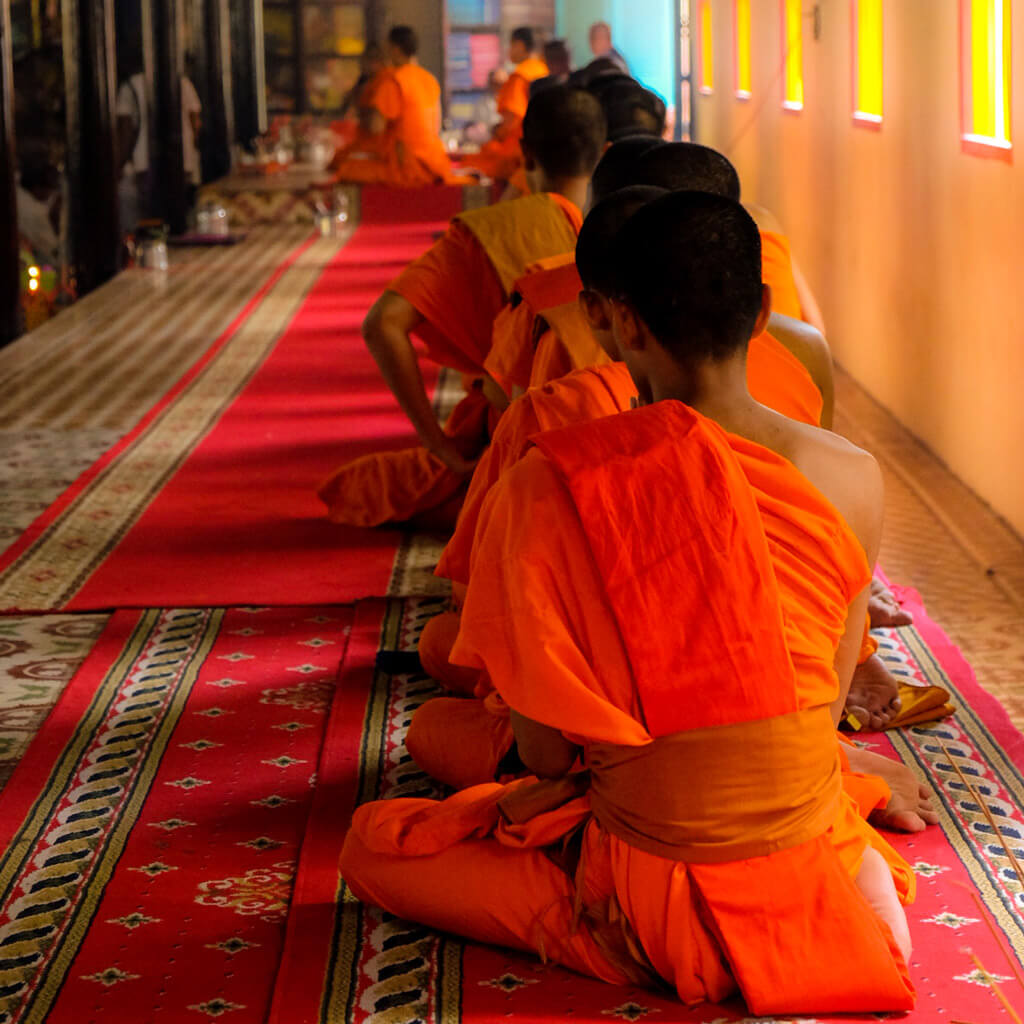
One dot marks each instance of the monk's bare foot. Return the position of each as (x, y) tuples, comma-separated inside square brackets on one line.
[(910, 808), (883, 608), (874, 694)]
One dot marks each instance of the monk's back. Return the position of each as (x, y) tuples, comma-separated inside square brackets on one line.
[(421, 96)]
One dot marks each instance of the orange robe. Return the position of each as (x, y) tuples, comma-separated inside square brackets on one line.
[(457, 741), (459, 286), (777, 272), (410, 153), (500, 157), (364, 142), (541, 334), (673, 881)]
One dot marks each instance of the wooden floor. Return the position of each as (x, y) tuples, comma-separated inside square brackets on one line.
[(939, 537)]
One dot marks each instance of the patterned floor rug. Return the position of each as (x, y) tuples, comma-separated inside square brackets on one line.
[(151, 833), (347, 962), (212, 500)]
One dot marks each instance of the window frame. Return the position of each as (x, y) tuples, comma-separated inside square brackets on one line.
[(865, 118), (973, 143), (785, 7)]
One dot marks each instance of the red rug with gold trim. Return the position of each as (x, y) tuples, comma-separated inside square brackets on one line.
[(212, 499), (150, 835), (347, 962)]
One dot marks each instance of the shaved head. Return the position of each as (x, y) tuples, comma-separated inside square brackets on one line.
[(617, 168), (603, 224), (689, 265), (564, 131), (688, 166)]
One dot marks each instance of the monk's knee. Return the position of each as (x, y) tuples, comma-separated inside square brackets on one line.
[(435, 648), (357, 861), (421, 736)]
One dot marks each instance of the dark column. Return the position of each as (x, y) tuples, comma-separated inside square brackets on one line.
[(168, 161), (90, 77), (9, 270), (247, 69), (219, 115)]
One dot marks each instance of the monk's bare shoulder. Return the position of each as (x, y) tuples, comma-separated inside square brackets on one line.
[(847, 475)]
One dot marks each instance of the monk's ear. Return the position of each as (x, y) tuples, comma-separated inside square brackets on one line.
[(630, 331), (594, 308), (529, 160), (766, 311)]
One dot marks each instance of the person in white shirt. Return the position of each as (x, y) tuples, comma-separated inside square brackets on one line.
[(38, 202), (133, 140)]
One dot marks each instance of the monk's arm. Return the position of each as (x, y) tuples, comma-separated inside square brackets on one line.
[(861, 502), (808, 344), (809, 309), (386, 330), (545, 751)]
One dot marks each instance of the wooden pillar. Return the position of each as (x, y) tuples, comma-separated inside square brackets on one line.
[(167, 161), (219, 115), (248, 69), (9, 270), (90, 78)]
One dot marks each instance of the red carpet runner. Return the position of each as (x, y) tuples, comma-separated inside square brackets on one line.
[(152, 830), (239, 521), (345, 962)]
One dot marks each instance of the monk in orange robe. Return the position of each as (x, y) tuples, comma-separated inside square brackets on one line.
[(465, 742), (541, 334), (401, 143), (613, 862), (500, 156), (449, 299)]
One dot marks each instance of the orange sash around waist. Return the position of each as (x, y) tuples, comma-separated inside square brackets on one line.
[(707, 796)]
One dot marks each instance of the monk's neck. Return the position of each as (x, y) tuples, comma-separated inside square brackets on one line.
[(715, 389), (573, 189)]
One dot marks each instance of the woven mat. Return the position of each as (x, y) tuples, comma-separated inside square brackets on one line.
[(347, 962)]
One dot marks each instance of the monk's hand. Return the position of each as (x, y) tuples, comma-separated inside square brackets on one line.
[(910, 807), (452, 458)]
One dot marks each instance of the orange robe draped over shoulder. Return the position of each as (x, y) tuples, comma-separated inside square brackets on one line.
[(777, 273), (500, 157), (559, 582), (458, 286), (541, 334), (410, 152)]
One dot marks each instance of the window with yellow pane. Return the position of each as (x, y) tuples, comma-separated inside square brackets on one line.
[(705, 48), (985, 76), (741, 47), (866, 25), (792, 55)]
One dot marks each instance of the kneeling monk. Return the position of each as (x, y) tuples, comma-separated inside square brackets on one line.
[(448, 299), (761, 878)]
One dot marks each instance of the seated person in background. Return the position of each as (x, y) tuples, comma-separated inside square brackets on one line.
[(558, 58), (629, 108), (38, 202), (500, 156), (601, 45), (449, 299), (402, 142), (359, 99), (485, 111), (627, 870)]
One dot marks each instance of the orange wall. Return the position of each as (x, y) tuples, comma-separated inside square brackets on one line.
[(914, 249)]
